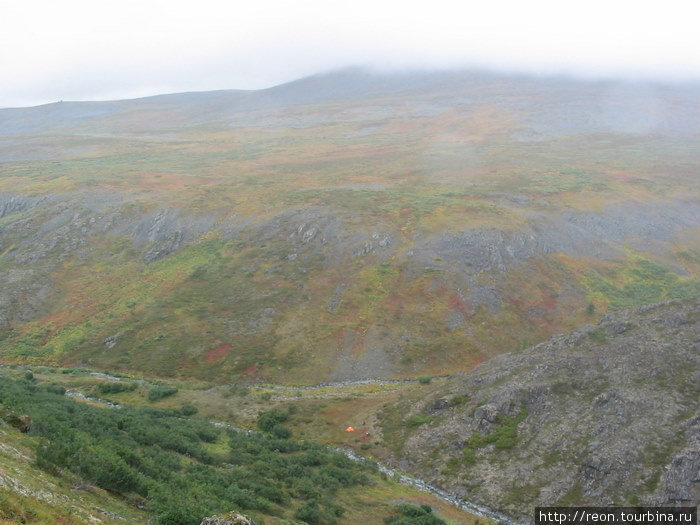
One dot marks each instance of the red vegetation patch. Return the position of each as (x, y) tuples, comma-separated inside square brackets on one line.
[(58, 320), (457, 304), (251, 370), (476, 361), (214, 355), (396, 304), (550, 302)]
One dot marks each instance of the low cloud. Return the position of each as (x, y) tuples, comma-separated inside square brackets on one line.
[(86, 50)]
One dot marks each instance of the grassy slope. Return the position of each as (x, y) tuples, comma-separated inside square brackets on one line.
[(29, 495), (404, 173)]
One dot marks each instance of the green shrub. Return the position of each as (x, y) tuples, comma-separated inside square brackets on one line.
[(458, 399), (161, 391), (418, 420), (598, 336), (56, 389), (469, 456), (414, 515), (188, 410), (267, 420), (309, 512), (115, 388), (503, 436), (159, 456), (281, 432), (424, 380)]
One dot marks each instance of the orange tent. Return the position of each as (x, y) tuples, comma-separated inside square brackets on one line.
[(350, 429)]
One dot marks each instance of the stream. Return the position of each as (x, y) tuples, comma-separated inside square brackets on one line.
[(416, 483)]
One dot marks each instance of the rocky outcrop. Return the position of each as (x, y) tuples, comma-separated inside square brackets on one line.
[(604, 415), (481, 255), (232, 518), (111, 341), (166, 231), (23, 423), (14, 203)]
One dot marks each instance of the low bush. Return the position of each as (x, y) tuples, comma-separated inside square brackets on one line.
[(418, 420), (268, 419), (414, 515), (458, 399), (161, 456), (115, 388), (160, 391), (281, 432), (56, 389), (188, 410)]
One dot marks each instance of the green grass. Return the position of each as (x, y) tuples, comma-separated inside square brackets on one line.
[(599, 336), (418, 420), (504, 436), (641, 282), (572, 497)]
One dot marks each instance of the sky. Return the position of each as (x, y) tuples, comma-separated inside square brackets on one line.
[(110, 49)]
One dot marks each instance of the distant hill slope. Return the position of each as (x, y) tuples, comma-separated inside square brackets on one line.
[(552, 106), (343, 226), (605, 415)]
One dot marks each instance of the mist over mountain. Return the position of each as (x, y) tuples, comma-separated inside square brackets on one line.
[(343, 226)]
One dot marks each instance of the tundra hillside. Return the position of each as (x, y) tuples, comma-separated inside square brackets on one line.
[(343, 226)]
